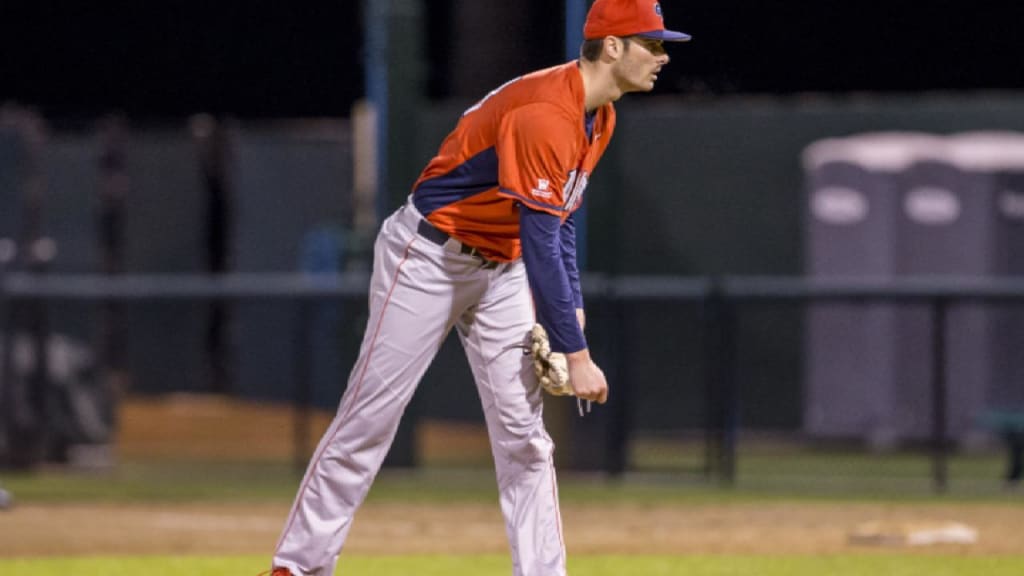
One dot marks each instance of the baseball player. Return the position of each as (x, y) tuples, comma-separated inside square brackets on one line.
[(485, 244)]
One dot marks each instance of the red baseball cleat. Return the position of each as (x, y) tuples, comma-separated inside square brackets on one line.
[(276, 572)]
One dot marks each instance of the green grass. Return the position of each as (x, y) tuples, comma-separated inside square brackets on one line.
[(766, 474), (494, 565), (157, 482)]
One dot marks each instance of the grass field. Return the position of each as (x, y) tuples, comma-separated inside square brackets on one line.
[(790, 513), (495, 565)]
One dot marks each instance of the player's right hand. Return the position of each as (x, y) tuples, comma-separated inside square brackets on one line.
[(588, 381)]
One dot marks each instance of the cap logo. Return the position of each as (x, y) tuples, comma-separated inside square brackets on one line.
[(657, 9)]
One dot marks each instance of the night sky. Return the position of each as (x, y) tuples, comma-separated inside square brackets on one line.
[(263, 58)]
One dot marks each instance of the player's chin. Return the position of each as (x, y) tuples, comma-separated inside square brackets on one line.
[(641, 87)]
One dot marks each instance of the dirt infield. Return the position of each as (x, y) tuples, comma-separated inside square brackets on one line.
[(478, 528), (188, 427)]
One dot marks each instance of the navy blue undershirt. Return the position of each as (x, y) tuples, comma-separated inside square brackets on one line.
[(549, 253), (588, 123)]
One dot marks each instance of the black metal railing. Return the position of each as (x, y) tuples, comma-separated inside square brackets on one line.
[(720, 300)]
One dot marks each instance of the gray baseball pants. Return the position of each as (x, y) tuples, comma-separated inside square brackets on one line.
[(419, 290)]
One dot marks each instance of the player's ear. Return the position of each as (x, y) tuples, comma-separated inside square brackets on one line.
[(613, 47)]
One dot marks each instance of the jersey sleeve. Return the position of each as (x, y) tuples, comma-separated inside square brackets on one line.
[(536, 146), (567, 240)]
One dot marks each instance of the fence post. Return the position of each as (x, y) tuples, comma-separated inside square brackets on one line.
[(303, 390), (710, 309), (723, 393), (940, 446), (617, 433), (6, 397)]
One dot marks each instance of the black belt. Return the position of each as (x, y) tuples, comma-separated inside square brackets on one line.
[(428, 231)]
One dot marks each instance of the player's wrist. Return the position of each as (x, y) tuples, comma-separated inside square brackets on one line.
[(579, 356)]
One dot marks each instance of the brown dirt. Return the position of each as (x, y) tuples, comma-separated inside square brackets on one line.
[(203, 427), (478, 528)]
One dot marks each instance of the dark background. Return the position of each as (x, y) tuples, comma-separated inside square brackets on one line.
[(726, 197), (264, 58)]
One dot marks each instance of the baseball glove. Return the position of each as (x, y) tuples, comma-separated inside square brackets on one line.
[(551, 367)]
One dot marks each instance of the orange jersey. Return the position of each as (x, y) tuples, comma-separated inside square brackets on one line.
[(524, 143)]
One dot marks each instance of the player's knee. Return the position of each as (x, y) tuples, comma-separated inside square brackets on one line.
[(530, 450)]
